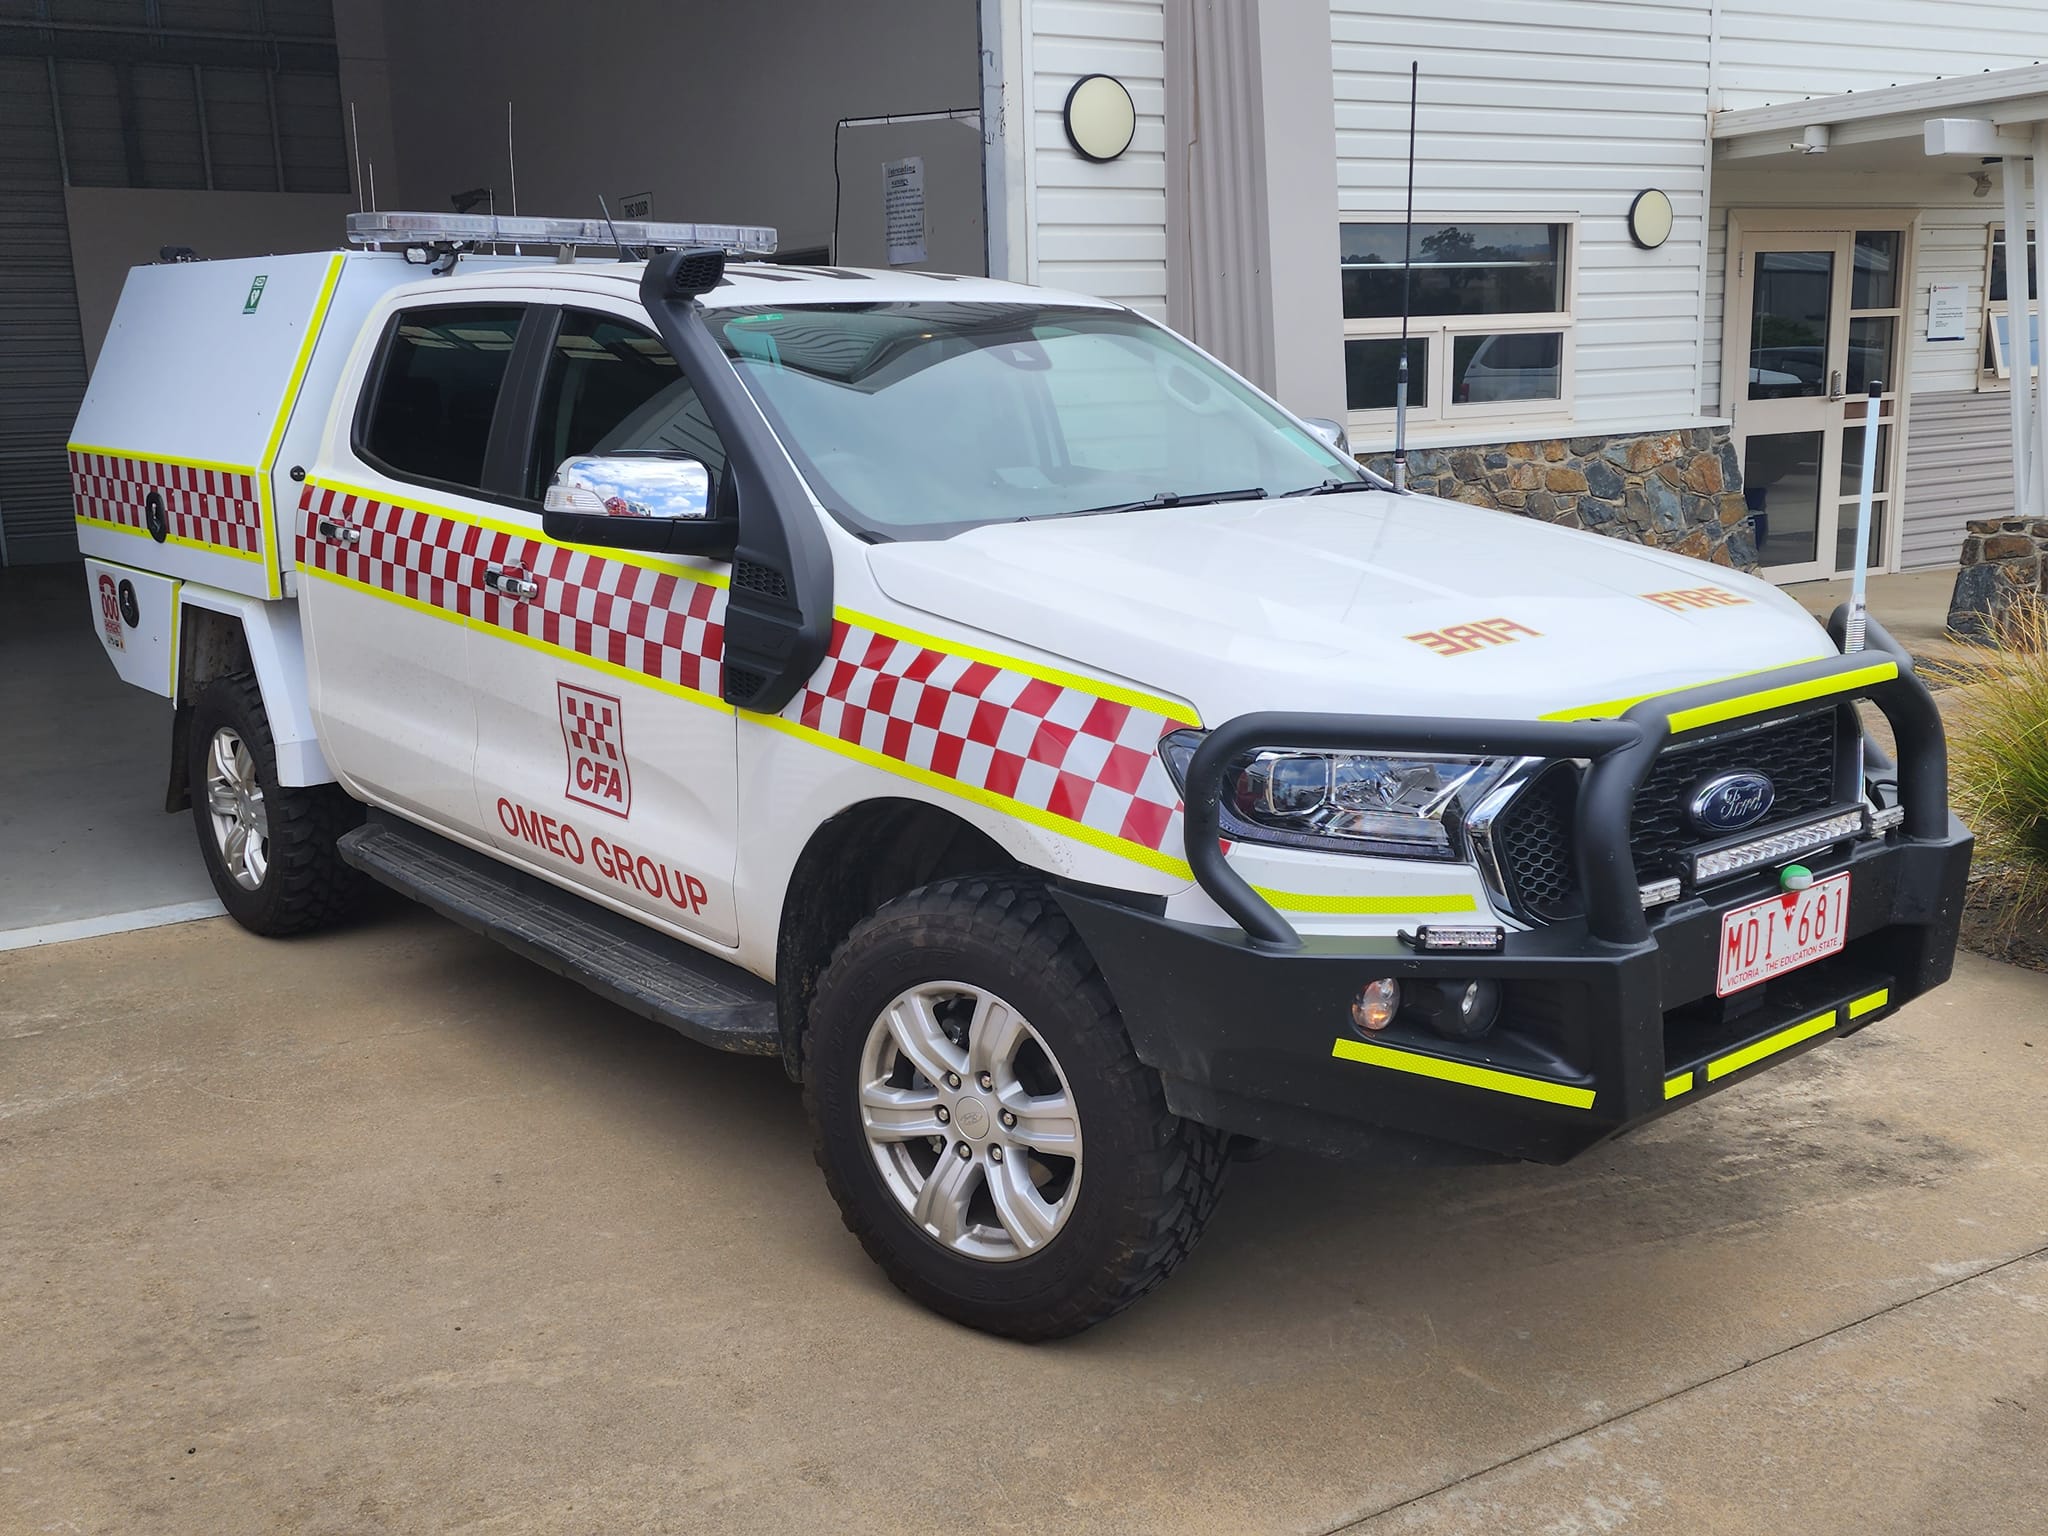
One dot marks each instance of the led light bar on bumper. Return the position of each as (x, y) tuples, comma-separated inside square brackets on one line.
[(1779, 846)]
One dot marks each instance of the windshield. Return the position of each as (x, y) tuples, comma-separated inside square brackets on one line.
[(921, 420)]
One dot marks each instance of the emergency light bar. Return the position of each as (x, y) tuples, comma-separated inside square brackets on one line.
[(429, 229)]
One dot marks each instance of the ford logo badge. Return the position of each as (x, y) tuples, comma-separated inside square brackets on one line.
[(1731, 802)]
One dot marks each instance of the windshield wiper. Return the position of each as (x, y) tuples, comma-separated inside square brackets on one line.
[(1340, 487), (1163, 499)]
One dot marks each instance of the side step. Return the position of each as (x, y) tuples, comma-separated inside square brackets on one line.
[(655, 976)]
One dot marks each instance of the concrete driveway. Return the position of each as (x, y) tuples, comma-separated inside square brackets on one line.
[(389, 1231)]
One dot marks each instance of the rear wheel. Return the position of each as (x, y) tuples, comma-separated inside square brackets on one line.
[(989, 1134), (269, 849)]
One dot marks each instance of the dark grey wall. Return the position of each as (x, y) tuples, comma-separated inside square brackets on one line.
[(723, 112)]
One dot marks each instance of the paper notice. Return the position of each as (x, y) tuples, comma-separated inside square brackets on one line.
[(1946, 303), (903, 210)]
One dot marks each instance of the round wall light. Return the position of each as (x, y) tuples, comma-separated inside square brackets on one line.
[(1101, 119), (1649, 219)]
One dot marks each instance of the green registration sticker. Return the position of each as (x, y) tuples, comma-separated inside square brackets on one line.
[(255, 294)]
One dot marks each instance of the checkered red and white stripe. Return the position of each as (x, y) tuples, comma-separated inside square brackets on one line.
[(1052, 746), (1055, 747), (207, 506), (656, 623)]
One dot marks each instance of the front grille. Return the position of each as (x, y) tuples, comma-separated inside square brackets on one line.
[(1796, 755), (1534, 839), (1533, 836)]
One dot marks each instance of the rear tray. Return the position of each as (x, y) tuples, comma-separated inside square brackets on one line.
[(657, 977)]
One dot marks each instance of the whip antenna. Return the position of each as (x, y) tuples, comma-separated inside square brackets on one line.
[(1407, 257)]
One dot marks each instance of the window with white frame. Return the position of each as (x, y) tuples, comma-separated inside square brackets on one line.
[(1998, 320), (1490, 324)]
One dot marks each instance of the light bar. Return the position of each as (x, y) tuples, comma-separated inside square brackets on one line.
[(1440, 936), (1778, 847), (1658, 892), (402, 229)]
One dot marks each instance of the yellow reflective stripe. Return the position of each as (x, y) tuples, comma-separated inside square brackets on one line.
[(176, 588), (265, 502), (162, 458), (1773, 698), (1304, 901), (1109, 842), (1613, 707), (1770, 1045), (1462, 1073), (1870, 1003), (634, 557), (1676, 1084), (171, 538), (546, 648), (1115, 693)]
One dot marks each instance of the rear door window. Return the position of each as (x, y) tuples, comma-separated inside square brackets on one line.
[(437, 392)]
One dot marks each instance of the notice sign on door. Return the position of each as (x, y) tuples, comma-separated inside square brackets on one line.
[(903, 210), (1945, 305)]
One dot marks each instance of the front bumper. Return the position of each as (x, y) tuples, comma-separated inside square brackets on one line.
[(1606, 1021), (1593, 1039)]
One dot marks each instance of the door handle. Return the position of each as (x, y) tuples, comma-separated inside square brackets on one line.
[(510, 581), (334, 531), (1835, 384)]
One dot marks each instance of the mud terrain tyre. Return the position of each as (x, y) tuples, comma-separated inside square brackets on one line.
[(270, 849), (983, 1122)]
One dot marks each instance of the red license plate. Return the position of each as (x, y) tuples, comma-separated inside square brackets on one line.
[(1769, 938)]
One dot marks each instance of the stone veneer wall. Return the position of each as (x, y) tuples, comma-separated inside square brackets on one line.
[(1679, 490), (2005, 566)]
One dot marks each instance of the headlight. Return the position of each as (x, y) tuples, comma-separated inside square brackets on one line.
[(1408, 805)]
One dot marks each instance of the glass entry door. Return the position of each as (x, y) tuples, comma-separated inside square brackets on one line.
[(1820, 319)]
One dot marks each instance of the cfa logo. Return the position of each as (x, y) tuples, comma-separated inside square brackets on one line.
[(594, 733), (110, 613)]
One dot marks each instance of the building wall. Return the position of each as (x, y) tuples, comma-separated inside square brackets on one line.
[(1097, 228), (1773, 51), (722, 113), (1564, 110)]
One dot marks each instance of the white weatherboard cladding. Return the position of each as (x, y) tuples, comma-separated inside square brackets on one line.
[(1558, 110), (1958, 468), (1773, 51), (1098, 229)]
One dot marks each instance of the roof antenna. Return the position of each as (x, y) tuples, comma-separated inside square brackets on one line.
[(608, 224), (512, 167), (1407, 258), (356, 138)]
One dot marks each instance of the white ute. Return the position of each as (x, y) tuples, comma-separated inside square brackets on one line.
[(1070, 763)]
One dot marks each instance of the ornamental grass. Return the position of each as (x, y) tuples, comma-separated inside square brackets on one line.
[(1997, 717)]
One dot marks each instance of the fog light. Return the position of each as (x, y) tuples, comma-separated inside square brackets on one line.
[(1376, 1004), (1470, 1009)]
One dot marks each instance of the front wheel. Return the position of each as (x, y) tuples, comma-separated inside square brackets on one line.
[(987, 1130)]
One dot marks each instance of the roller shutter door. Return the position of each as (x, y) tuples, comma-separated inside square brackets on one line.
[(42, 357)]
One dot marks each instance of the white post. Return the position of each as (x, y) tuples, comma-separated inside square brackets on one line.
[(1859, 584), (2037, 504), (2013, 171)]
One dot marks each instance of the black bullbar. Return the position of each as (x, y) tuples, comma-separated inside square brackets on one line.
[(1606, 1020)]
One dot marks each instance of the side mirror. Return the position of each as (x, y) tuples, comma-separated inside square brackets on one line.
[(658, 502), (1332, 434)]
